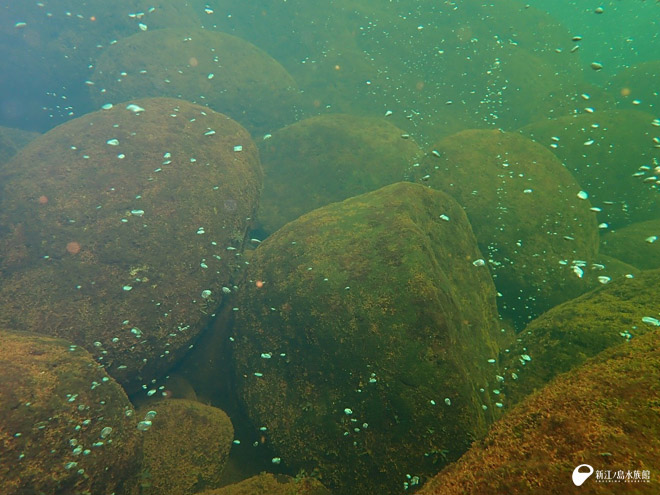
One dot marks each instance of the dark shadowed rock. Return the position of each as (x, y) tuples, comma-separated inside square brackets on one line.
[(365, 346), (118, 222), (185, 449)]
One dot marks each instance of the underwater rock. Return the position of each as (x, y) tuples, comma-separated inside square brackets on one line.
[(272, 484), (637, 86), (330, 158), (607, 152), (185, 448), (363, 336), (12, 140), (637, 244), (567, 335), (124, 225), (210, 68), (604, 414), (47, 54), (65, 426), (526, 214)]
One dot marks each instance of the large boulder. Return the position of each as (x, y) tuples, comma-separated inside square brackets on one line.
[(567, 335), (526, 214), (66, 427), (49, 48), (219, 70), (185, 448), (637, 244), (366, 337), (603, 414), (122, 228), (329, 158), (612, 155)]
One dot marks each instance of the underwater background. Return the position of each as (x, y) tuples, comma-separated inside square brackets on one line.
[(329, 247)]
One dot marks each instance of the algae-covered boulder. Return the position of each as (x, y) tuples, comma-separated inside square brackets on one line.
[(365, 339), (636, 244), (567, 335), (12, 140), (604, 414), (526, 214), (122, 228), (272, 484), (48, 48), (329, 158), (612, 154), (215, 69), (65, 426), (186, 447)]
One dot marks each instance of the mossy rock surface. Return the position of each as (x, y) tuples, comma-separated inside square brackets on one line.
[(12, 140), (66, 427), (637, 244), (110, 244), (363, 337), (210, 68), (567, 335), (185, 449), (604, 414), (605, 150), (272, 484), (330, 158), (523, 206)]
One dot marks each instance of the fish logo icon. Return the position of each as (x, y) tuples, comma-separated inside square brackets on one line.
[(580, 477)]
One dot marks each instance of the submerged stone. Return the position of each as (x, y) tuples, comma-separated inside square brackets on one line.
[(65, 426), (565, 336), (374, 313), (126, 286), (186, 448), (329, 158), (221, 71), (604, 414), (524, 208)]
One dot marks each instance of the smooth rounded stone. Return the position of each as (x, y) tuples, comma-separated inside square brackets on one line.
[(55, 402), (329, 158), (215, 69), (12, 140), (272, 484), (637, 244), (185, 449), (564, 337), (605, 168), (523, 206), (604, 414), (47, 62), (379, 328), (637, 87), (109, 252)]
